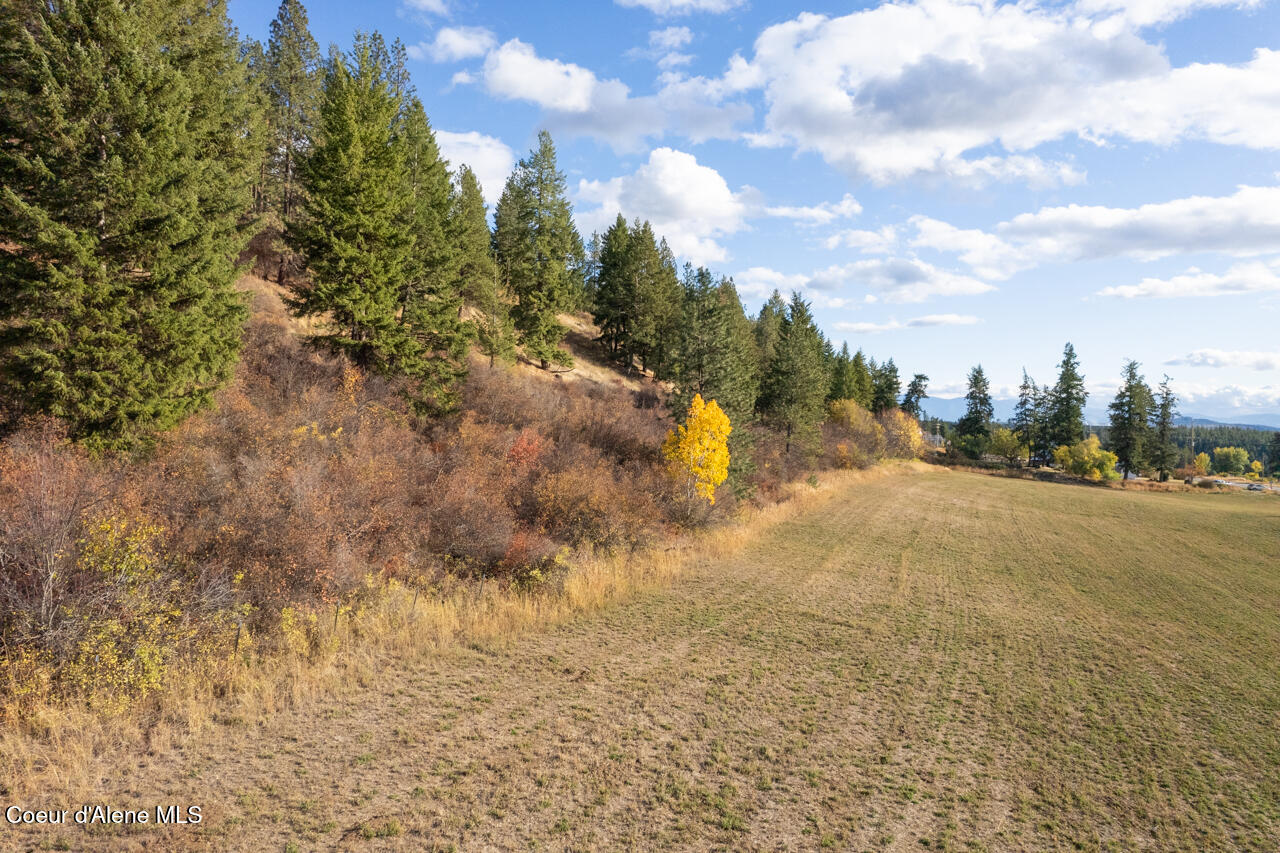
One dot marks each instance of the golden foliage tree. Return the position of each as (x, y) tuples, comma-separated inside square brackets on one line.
[(698, 449)]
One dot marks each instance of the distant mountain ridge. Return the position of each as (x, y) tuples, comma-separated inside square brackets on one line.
[(952, 408)]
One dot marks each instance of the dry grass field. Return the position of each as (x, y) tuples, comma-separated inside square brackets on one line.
[(931, 660)]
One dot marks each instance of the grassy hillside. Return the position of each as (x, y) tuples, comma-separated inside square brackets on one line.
[(929, 660)]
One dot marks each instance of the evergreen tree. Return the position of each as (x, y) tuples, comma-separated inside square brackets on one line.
[(1130, 412), (1064, 423), (1273, 455), (973, 430), (795, 388), (917, 390), (885, 387), (1026, 415), (293, 79), (614, 288), (477, 272), (353, 231), (128, 143), (658, 312), (842, 387), (539, 252), (715, 353), (768, 326), (430, 296), (860, 375), (1162, 452)]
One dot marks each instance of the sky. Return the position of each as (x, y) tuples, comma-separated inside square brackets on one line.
[(949, 183)]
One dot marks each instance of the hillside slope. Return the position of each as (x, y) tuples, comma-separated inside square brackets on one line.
[(930, 660)]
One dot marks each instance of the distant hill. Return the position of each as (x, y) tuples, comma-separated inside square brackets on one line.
[(1264, 422), (952, 408)]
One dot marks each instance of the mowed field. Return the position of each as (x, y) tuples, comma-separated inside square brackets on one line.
[(932, 660)]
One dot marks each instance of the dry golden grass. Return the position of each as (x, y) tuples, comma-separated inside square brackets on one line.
[(931, 660), (71, 753)]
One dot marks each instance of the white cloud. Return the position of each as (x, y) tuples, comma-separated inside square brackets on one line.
[(581, 103), (434, 7), (914, 323), (877, 242), (490, 158), (682, 7), (897, 280), (1249, 360), (1142, 13), (761, 281), (455, 43), (988, 255), (1251, 277), (672, 38), (688, 203), (515, 71), (911, 88), (1227, 399), (819, 214), (1245, 223)]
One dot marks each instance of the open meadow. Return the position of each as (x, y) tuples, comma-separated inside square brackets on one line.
[(927, 660)]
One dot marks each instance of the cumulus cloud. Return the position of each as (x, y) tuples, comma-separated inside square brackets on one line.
[(916, 87), (489, 157), (819, 214), (897, 280), (1242, 224), (1249, 360), (579, 102), (664, 47), (455, 43), (689, 203), (682, 7), (1228, 399), (1253, 277), (515, 71), (878, 242), (914, 323)]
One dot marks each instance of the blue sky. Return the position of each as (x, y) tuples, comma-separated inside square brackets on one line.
[(949, 182)]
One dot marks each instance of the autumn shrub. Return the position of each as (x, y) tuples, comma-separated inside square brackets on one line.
[(902, 436), (1087, 459), (852, 437)]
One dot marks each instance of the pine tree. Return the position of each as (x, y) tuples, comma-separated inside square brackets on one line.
[(1162, 452), (353, 231), (1026, 422), (715, 355), (1064, 423), (659, 305), (539, 252), (614, 287), (795, 388), (917, 390), (477, 271), (860, 373), (768, 326), (885, 387), (128, 141), (1130, 412), (1273, 455), (293, 79), (842, 376), (430, 296), (973, 430)]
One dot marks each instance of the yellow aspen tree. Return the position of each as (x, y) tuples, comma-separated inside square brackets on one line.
[(698, 449)]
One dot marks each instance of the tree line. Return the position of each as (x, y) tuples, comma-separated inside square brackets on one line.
[(1048, 425)]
